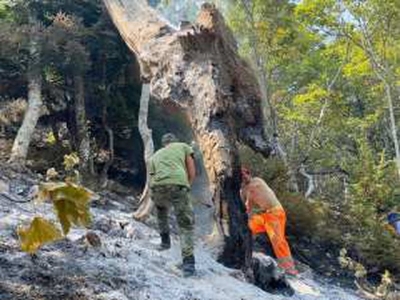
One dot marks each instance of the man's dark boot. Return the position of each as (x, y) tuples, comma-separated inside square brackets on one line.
[(188, 266), (165, 242)]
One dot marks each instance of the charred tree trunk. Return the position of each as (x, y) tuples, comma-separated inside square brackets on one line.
[(20, 147), (199, 69)]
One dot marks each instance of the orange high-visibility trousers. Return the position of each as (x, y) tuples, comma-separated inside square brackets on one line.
[(273, 223)]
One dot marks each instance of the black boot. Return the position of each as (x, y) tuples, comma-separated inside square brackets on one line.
[(165, 242), (188, 266)]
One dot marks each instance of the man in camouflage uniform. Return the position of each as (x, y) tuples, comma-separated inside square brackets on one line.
[(172, 171)]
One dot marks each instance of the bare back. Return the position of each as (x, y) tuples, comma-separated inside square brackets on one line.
[(260, 194)]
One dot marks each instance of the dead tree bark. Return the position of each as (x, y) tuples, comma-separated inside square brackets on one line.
[(83, 140), (199, 69), (145, 202), (20, 147)]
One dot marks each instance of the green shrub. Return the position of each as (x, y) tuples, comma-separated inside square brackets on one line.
[(318, 229)]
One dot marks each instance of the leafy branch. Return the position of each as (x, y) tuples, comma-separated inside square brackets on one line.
[(71, 206)]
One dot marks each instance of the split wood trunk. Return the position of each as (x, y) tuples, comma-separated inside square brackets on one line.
[(199, 69)]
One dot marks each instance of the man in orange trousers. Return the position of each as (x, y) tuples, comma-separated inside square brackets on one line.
[(266, 215)]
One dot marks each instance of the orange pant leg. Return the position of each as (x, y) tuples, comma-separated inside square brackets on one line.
[(273, 224)]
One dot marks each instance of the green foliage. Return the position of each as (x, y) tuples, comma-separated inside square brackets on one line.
[(356, 223), (39, 232), (321, 82), (272, 170), (77, 38), (375, 184), (348, 263)]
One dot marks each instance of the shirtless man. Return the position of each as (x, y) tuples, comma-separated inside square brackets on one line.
[(266, 215)]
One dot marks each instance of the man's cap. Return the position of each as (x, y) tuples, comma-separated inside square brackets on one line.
[(168, 138)]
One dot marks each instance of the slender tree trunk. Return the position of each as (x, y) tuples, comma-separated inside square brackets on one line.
[(393, 126), (259, 62), (107, 165), (145, 202), (20, 147), (200, 70), (381, 73), (107, 128), (310, 178), (83, 140)]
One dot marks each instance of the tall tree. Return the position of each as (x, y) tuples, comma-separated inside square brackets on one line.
[(378, 35), (20, 147), (370, 28), (272, 39)]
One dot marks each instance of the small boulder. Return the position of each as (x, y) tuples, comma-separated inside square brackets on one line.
[(268, 277)]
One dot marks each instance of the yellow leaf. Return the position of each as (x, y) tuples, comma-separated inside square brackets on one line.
[(40, 232), (71, 203), (45, 190)]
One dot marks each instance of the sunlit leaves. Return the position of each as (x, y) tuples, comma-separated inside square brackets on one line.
[(348, 263), (307, 105), (374, 187), (314, 94), (358, 65), (318, 13), (70, 161), (39, 232)]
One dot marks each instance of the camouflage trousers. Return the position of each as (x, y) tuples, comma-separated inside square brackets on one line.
[(164, 197)]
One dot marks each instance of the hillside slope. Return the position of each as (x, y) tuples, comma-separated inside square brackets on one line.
[(125, 266)]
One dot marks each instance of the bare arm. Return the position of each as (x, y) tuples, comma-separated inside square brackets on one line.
[(246, 197), (249, 205), (190, 168)]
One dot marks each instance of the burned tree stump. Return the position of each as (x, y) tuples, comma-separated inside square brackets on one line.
[(199, 69)]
